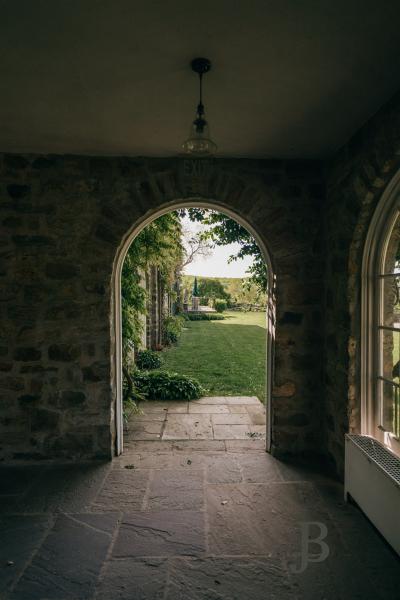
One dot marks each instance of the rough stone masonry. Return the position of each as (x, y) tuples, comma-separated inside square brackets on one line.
[(65, 218)]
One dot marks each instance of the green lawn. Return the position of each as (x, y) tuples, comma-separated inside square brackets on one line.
[(227, 357)]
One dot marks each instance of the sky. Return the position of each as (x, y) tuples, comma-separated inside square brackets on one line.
[(215, 265)]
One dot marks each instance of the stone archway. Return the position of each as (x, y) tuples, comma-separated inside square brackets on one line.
[(296, 363), (59, 298), (117, 328)]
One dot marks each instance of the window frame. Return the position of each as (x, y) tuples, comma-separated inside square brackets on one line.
[(382, 223)]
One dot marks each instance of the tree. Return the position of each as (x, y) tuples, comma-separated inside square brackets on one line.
[(212, 288), (194, 245), (195, 292), (222, 231)]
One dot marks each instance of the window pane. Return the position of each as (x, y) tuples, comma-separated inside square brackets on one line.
[(392, 258), (391, 301), (390, 408), (390, 344)]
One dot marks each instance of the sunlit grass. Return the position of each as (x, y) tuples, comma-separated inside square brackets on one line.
[(227, 357)]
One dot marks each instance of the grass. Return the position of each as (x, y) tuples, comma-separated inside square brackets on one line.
[(227, 357)]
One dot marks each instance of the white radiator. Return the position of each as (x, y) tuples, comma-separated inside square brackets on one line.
[(372, 478)]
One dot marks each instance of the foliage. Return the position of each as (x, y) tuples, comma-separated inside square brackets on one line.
[(212, 288), (129, 408), (130, 394), (203, 316), (163, 385), (222, 230), (195, 291), (172, 329), (158, 244), (240, 290), (220, 305), (148, 359)]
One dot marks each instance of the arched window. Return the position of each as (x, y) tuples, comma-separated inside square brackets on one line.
[(381, 322)]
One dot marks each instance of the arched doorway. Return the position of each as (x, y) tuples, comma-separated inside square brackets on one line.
[(117, 329)]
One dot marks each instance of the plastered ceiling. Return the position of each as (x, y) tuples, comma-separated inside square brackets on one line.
[(111, 77)]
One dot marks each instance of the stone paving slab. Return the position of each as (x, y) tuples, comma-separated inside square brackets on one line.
[(146, 429), (261, 519), (70, 559), (20, 535), (212, 417), (210, 400), (237, 408), (231, 432), (199, 446), (123, 489), (181, 427), (176, 489), (228, 579), (133, 579), (210, 409), (231, 419), (69, 488), (247, 445), (165, 533), (17, 480), (206, 519)]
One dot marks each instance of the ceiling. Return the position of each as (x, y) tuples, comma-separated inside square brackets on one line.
[(111, 77)]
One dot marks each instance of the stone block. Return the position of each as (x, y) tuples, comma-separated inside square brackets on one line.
[(27, 354), (161, 534), (176, 489), (63, 352), (71, 558), (128, 578), (217, 578)]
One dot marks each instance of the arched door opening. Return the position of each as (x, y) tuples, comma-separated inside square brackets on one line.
[(187, 303)]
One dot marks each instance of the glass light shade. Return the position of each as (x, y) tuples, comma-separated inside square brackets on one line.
[(199, 143)]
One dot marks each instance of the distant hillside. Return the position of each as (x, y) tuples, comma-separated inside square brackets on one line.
[(233, 286)]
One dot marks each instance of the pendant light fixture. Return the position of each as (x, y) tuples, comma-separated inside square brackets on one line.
[(199, 143)]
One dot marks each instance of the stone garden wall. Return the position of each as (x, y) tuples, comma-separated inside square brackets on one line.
[(63, 220), (356, 180)]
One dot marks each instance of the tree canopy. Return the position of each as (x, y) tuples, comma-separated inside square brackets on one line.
[(222, 231)]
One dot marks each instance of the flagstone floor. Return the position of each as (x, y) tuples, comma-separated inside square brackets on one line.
[(210, 418), (186, 519)]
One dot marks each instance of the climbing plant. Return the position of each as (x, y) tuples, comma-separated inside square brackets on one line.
[(158, 244)]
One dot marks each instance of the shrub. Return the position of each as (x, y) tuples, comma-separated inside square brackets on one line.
[(172, 329), (220, 305), (148, 359), (205, 317), (162, 385)]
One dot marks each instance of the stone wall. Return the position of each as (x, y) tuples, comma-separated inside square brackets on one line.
[(63, 220), (356, 180)]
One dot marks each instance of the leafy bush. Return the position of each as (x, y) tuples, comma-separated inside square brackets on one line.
[(148, 359), (205, 317), (172, 329), (162, 385), (220, 305)]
